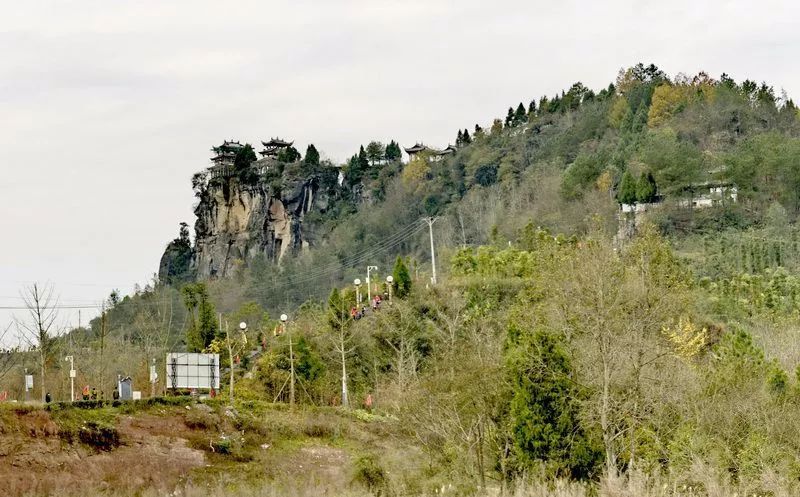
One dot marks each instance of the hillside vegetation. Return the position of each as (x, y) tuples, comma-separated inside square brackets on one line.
[(551, 357)]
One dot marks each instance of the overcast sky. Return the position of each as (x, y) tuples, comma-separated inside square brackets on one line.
[(108, 107)]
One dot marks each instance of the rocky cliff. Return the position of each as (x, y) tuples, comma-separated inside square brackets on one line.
[(240, 217)]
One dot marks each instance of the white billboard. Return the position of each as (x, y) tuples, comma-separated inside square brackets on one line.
[(186, 370)]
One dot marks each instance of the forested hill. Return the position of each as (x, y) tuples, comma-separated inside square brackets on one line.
[(550, 348), (563, 162), (553, 160)]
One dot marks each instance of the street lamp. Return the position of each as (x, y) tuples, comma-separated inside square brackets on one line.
[(369, 282), (389, 284), (71, 360), (284, 320), (357, 283)]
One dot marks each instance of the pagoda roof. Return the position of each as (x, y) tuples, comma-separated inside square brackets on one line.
[(231, 144), (277, 142), (418, 147)]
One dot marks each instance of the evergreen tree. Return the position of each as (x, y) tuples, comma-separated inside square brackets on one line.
[(510, 118), (288, 155), (244, 157), (402, 278), (392, 151), (202, 317), (532, 107), (627, 189), (363, 161), (478, 131), (545, 409), (640, 118), (312, 156), (375, 152), (459, 139), (646, 188), (465, 138), (544, 104), (520, 115)]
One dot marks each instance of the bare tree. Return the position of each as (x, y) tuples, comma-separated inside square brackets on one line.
[(38, 328), (8, 356)]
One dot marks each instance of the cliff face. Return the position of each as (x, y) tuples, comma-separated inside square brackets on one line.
[(237, 222)]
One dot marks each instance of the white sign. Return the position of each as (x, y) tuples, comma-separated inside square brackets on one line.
[(136, 395), (187, 370), (28, 382), (72, 373)]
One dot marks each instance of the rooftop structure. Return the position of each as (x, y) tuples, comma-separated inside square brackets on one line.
[(225, 154), (273, 146)]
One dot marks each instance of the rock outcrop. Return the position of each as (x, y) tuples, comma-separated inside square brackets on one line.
[(240, 219), (238, 222)]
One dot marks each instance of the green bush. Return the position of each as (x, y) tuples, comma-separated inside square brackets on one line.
[(369, 473)]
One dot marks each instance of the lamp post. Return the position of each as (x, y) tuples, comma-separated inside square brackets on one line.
[(389, 284), (284, 320), (369, 282), (357, 283), (71, 360)]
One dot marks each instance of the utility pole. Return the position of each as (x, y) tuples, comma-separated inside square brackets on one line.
[(430, 221), (284, 320), (230, 357), (71, 360)]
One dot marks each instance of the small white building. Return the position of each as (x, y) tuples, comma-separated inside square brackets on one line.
[(710, 194)]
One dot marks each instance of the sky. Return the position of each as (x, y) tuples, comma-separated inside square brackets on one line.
[(107, 108)]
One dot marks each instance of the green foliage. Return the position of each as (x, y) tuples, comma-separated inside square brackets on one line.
[(369, 473), (627, 189), (402, 278), (646, 188), (486, 175), (375, 152), (393, 152), (312, 156), (545, 408), (288, 155), (175, 266), (203, 324)]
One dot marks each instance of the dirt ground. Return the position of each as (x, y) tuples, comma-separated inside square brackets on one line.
[(153, 454)]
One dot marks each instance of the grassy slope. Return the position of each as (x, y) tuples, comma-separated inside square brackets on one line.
[(173, 444)]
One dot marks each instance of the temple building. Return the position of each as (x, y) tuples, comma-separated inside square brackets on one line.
[(224, 158), (413, 151), (432, 154), (274, 146), (226, 153)]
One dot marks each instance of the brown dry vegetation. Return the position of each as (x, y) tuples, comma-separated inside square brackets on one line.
[(193, 448)]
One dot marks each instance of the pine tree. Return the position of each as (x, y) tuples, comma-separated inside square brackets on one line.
[(465, 138), (532, 107), (545, 408), (376, 152), (478, 131), (627, 189), (646, 188), (363, 161), (520, 116), (312, 156), (640, 118), (392, 151), (402, 278), (459, 139), (510, 118)]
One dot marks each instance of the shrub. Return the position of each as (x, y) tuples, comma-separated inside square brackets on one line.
[(369, 473)]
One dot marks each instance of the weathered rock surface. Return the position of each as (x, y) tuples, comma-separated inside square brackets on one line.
[(237, 222)]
